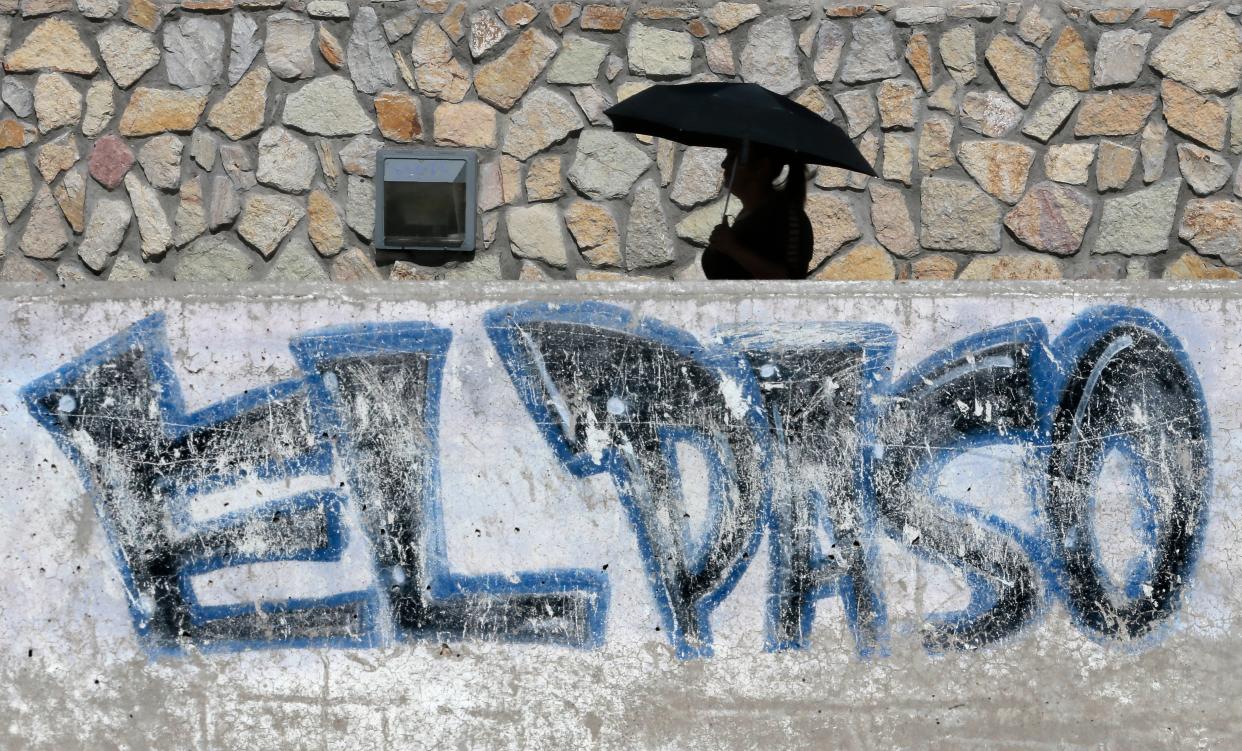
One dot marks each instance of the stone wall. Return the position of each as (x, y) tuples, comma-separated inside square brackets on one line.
[(232, 140)]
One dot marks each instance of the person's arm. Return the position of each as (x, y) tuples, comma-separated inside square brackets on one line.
[(725, 241)]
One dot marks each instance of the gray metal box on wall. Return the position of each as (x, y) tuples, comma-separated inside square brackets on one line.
[(425, 199)]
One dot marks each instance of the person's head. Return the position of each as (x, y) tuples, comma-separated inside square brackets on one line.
[(754, 173)]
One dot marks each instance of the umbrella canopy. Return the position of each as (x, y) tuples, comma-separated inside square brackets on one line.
[(729, 114)]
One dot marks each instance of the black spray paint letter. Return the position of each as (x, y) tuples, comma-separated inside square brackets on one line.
[(617, 394), (1128, 387)]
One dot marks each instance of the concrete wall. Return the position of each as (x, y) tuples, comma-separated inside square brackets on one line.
[(680, 516), (214, 140)]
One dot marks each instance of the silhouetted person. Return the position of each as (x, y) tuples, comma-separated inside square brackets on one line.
[(772, 236)]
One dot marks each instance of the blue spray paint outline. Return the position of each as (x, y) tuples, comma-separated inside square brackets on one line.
[(1143, 523), (878, 344), (316, 459), (330, 502), (502, 326), (1048, 376), (148, 335), (343, 342), (368, 616), (718, 477), (982, 596), (1082, 332)]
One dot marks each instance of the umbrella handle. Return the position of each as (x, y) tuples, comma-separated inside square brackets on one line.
[(743, 154)]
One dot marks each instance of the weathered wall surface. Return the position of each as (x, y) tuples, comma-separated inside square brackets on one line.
[(686, 517), (223, 140)]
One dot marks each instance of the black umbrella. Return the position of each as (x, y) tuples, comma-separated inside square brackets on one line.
[(732, 114)]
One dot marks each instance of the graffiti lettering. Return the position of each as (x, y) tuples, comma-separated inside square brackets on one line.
[(372, 394), (805, 431), (1127, 386), (380, 390), (616, 395), (816, 383)]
